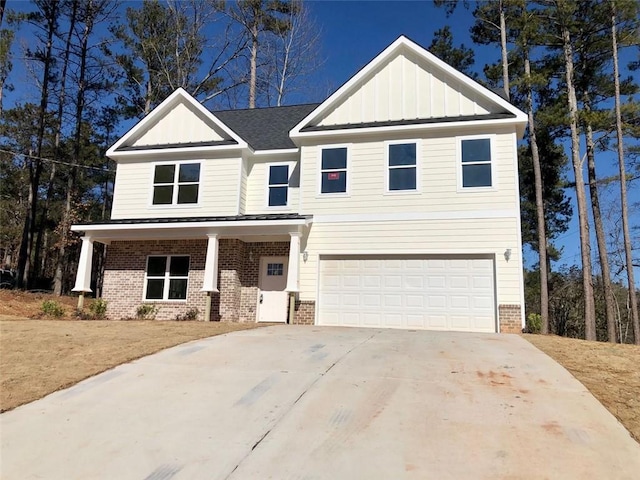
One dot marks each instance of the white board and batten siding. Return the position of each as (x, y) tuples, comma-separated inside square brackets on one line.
[(182, 124), (405, 88), (454, 293)]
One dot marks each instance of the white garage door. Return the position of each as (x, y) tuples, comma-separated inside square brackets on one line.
[(437, 293)]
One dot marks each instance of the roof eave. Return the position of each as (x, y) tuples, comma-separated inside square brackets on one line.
[(518, 121)]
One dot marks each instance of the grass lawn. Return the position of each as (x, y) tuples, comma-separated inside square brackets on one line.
[(611, 372)]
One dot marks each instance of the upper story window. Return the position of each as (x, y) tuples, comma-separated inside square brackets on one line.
[(333, 170), (278, 185), (167, 277), (476, 162), (176, 183), (402, 167)]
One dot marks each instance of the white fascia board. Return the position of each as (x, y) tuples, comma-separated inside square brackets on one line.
[(282, 151), (520, 125), (185, 225), (403, 41), (169, 152), (161, 109)]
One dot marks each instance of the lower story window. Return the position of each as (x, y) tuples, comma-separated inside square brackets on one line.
[(167, 277)]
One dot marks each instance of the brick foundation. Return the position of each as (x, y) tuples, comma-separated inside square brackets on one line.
[(305, 313), (510, 318)]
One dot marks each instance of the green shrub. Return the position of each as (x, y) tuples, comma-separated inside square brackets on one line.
[(98, 308), (191, 314), (146, 312), (52, 308), (534, 323)]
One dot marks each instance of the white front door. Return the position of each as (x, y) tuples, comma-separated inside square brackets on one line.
[(272, 298)]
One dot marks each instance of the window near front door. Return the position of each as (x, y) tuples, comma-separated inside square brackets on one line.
[(278, 185), (402, 167), (176, 184), (167, 277), (275, 269), (476, 162), (333, 170)]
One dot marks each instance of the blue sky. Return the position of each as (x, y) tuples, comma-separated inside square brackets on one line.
[(353, 32)]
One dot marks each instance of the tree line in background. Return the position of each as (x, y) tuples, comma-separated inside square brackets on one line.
[(559, 61), (93, 64)]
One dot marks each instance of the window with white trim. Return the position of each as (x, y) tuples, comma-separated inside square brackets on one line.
[(333, 170), (176, 183), (278, 185), (167, 277), (476, 162), (402, 166)]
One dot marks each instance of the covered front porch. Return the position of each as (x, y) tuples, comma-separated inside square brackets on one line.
[(233, 269)]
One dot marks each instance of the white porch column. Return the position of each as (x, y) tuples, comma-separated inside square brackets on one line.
[(294, 263), (210, 283), (83, 276)]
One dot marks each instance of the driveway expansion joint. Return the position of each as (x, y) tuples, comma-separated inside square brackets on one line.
[(302, 394)]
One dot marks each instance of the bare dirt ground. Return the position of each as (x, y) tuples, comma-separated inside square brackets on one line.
[(40, 356), (611, 372)]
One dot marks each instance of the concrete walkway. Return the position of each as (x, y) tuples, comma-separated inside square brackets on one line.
[(293, 402)]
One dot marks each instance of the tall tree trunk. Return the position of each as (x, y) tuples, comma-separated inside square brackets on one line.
[(601, 240), (253, 67), (583, 219), (504, 52), (71, 181), (537, 174), (631, 284), (58, 127), (35, 165)]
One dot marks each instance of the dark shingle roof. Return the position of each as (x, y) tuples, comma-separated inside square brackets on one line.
[(266, 128)]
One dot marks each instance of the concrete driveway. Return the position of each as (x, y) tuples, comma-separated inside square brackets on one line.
[(293, 402)]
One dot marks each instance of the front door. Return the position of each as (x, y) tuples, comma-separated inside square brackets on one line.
[(272, 298)]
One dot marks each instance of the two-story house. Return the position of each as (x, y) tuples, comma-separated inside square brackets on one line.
[(393, 203)]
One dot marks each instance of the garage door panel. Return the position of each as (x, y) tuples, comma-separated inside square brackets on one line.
[(414, 282), (443, 293)]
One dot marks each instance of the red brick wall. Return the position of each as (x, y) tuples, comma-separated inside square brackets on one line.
[(305, 313), (238, 273), (510, 318), (124, 277)]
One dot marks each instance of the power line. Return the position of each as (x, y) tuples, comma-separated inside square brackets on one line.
[(60, 162)]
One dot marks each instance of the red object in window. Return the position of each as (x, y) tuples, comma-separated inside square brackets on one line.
[(334, 176)]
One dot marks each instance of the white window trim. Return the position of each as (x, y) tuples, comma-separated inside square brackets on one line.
[(174, 204), (347, 191), (167, 277), (459, 140), (268, 166), (388, 168)]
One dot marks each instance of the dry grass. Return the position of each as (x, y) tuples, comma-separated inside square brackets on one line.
[(38, 357), (611, 372)]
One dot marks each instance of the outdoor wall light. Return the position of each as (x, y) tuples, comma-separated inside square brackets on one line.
[(507, 254), (251, 255), (305, 256)]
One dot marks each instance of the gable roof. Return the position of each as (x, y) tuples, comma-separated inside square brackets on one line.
[(507, 112), (125, 146), (266, 128)]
